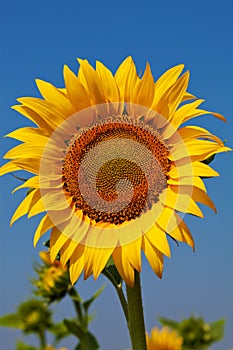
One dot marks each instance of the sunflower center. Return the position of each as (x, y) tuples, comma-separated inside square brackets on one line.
[(115, 170)]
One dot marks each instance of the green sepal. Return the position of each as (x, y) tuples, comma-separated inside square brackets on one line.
[(30, 190), (209, 159), (47, 243), (111, 272), (110, 262), (88, 302), (10, 320)]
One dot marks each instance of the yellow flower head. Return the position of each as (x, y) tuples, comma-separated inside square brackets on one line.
[(164, 339), (53, 278), (113, 168)]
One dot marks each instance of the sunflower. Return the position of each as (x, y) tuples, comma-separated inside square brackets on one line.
[(164, 339), (52, 282), (114, 169)]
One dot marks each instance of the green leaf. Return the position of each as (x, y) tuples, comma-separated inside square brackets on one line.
[(60, 331), (10, 320), (217, 330), (89, 342), (88, 302), (23, 346), (169, 323), (75, 328)]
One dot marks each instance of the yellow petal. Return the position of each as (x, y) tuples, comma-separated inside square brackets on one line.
[(101, 260), (171, 99), (25, 205), (24, 151), (91, 81), (44, 225), (187, 96), (56, 97), (9, 167), (192, 169), (45, 109), (175, 198), (144, 89), (27, 164), (133, 253), (38, 207), (34, 117), (77, 93), (108, 82), (33, 182), (67, 251), (76, 263), (187, 111), (200, 196), (89, 258), (32, 135), (188, 181), (166, 81), (158, 238), (167, 219), (57, 240), (203, 170), (182, 234), (126, 78), (189, 132), (154, 256), (175, 94), (198, 150), (123, 266)]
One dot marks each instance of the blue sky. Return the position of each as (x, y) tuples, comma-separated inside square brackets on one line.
[(37, 39)]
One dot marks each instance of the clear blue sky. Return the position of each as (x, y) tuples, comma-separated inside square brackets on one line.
[(37, 39)]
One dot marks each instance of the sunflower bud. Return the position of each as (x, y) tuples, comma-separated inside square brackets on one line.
[(34, 316), (53, 279)]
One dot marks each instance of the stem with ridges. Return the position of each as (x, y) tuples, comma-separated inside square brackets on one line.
[(136, 318)]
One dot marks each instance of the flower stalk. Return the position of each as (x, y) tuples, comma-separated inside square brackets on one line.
[(136, 323)]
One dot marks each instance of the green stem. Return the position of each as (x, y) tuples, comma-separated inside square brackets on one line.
[(120, 293), (136, 319), (75, 298), (42, 339)]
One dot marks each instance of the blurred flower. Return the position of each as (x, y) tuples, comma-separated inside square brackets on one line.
[(53, 279), (164, 339), (34, 316), (113, 166), (196, 333)]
